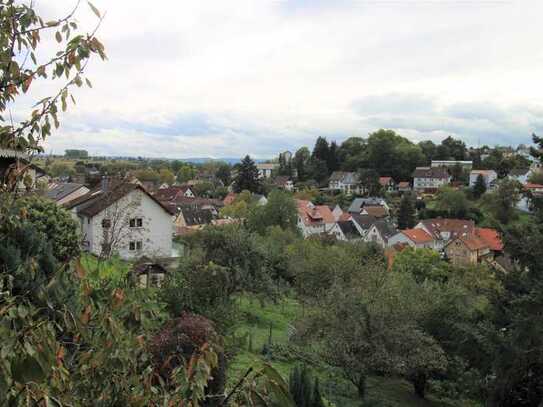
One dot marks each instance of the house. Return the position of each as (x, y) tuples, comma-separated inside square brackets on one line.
[(191, 218), (387, 183), (147, 273), (378, 212), (404, 186), (363, 223), (380, 233), (489, 177), (66, 192), (492, 238), (170, 194), (316, 219), (284, 182), (359, 203), (416, 238), (520, 174), (265, 170), (123, 217), (346, 182), (445, 230), (348, 231), (467, 165), (533, 188), (430, 179), (467, 250)]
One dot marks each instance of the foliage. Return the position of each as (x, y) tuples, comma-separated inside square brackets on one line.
[(247, 176), (422, 264), (303, 388), (453, 202), (480, 187), (406, 213), (503, 201), (22, 33), (281, 210)]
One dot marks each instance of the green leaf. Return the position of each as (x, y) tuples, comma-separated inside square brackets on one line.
[(94, 9), (89, 84), (58, 36)]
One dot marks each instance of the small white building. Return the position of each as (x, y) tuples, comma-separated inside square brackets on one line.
[(416, 238), (346, 182), (520, 174), (265, 170), (124, 219), (489, 176), (380, 233)]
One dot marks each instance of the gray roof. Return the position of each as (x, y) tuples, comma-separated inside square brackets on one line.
[(359, 203), (431, 172), (364, 221), (349, 229), (519, 172), (62, 190), (386, 229), (345, 177)]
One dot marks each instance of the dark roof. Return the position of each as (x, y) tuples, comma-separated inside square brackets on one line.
[(519, 172), (97, 200), (349, 229), (196, 216), (61, 191), (386, 229), (431, 172), (171, 193), (358, 203), (364, 221), (146, 265)]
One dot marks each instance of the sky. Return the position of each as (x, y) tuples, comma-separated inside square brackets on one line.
[(228, 78)]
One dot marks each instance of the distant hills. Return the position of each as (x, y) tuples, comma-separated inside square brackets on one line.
[(203, 160)]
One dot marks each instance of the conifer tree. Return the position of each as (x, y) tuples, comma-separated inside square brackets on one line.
[(406, 213), (247, 177), (480, 187)]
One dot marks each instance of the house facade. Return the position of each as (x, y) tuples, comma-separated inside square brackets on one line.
[(445, 230), (430, 178), (489, 177), (346, 182), (388, 184), (316, 219), (415, 238), (265, 170), (380, 233), (124, 219), (467, 251)]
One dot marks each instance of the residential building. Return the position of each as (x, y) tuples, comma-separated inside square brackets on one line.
[(404, 186), (316, 219), (489, 176), (284, 182), (378, 212), (65, 192), (387, 183), (171, 194), (467, 165), (348, 231), (467, 250), (265, 170), (346, 182), (380, 233), (520, 174), (430, 179), (363, 223), (123, 218), (445, 230), (191, 218), (416, 238)]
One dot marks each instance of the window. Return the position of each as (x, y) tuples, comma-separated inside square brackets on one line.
[(137, 245), (136, 222), (106, 223)]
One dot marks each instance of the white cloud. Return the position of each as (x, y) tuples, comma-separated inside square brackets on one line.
[(263, 75)]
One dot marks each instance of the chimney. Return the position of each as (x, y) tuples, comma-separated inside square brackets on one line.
[(105, 183)]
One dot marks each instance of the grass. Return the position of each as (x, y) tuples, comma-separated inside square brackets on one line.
[(254, 320), (114, 268)]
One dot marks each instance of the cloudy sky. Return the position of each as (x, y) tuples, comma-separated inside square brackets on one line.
[(225, 78)]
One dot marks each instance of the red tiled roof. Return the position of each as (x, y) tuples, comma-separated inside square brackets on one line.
[(530, 185), (312, 214), (229, 199), (419, 236), (491, 237), (376, 211), (473, 242), (456, 227), (403, 184), (170, 193), (345, 216), (384, 181)]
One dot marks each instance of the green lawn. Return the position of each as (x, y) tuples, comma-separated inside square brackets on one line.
[(111, 269), (255, 320)]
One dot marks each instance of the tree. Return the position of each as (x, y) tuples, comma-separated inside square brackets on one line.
[(406, 213), (321, 151), (480, 187), (166, 176), (301, 163), (422, 264), (76, 154), (21, 35), (224, 174), (352, 154), (503, 201), (247, 177), (369, 180), (428, 148), (453, 202), (281, 210), (333, 160), (185, 173)]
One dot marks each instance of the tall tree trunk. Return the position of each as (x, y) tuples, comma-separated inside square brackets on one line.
[(419, 385), (361, 386)]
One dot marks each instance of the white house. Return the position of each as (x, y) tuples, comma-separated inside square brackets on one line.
[(124, 218), (489, 177), (316, 219), (346, 182), (265, 170), (430, 178), (520, 174), (380, 233), (444, 230)]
